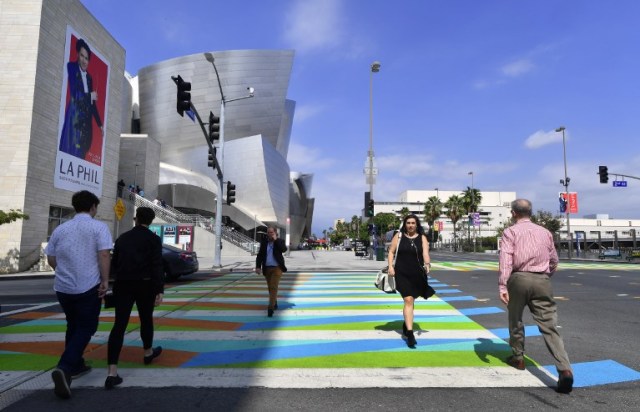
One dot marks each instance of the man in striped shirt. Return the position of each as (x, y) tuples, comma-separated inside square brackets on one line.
[(527, 259)]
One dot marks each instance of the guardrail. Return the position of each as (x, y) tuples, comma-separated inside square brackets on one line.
[(171, 215)]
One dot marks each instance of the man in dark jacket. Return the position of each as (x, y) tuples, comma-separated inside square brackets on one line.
[(139, 279), (270, 262)]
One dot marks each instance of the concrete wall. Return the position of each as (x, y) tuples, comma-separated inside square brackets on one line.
[(32, 59)]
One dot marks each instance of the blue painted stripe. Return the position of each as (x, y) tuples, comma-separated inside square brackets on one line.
[(280, 323), (503, 333), (457, 298), (481, 311), (599, 373)]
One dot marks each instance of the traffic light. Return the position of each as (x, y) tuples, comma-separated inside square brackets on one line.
[(214, 127), (367, 197), (184, 96), (231, 193), (212, 157), (370, 208), (604, 174)]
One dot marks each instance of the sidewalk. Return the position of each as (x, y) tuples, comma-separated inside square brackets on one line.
[(296, 260)]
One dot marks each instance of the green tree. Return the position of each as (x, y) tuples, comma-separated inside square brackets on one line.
[(455, 210), (432, 210), (471, 199), (12, 216), (385, 220), (548, 220), (404, 212)]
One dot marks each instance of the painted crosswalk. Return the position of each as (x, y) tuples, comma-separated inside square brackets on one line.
[(332, 329)]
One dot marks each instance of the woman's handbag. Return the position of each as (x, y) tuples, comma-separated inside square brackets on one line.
[(384, 282)]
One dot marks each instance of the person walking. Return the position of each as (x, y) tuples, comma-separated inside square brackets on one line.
[(528, 259), (411, 269), (270, 263), (79, 252), (138, 271)]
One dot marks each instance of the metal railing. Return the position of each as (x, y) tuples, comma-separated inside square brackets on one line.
[(171, 215)]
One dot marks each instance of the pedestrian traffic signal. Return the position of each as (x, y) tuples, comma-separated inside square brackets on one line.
[(231, 193), (184, 96), (604, 174), (212, 157), (214, 127), (370, 208)]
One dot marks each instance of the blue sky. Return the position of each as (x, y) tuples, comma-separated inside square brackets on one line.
[(464, 86)]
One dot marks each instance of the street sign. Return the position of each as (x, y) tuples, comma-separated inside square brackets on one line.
[(620, 183), (119, 208)]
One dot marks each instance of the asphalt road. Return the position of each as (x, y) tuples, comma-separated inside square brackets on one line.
[(598, 313)]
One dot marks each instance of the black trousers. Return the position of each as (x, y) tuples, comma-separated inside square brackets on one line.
[(126, 293)]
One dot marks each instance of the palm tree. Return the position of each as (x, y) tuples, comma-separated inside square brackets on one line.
[(471, 198), (432, 210), (404, 212), (455, 210)]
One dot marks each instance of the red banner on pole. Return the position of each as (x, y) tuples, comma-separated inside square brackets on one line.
[(570, 204)]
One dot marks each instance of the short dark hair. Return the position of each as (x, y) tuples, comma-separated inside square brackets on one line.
[(145, 215), (81, 44), (522, 207), (83, 200)]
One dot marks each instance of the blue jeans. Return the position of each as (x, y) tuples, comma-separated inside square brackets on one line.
[(82, 312)]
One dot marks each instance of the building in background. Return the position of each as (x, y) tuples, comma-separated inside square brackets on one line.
[(135, 133)]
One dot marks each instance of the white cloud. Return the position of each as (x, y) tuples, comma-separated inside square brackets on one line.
[(304, 112), (307, 159), (314, 24), (517, 68), (542, 138)]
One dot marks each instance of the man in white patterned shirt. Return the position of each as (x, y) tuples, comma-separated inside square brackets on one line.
[(79, 252), (528, 258)]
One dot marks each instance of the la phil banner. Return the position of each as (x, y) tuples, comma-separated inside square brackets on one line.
[(569, 204), (83, 118)]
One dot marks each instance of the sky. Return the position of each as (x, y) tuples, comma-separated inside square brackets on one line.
[(464, 86)]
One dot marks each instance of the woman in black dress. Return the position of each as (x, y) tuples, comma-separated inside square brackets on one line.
[(411, 268)]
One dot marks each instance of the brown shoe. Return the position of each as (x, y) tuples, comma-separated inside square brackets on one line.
[(565, 381), (515, 362)]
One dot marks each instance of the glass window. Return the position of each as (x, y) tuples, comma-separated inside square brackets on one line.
[(58, 215)]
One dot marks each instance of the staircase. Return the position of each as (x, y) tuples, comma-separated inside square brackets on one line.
[(171, 215)]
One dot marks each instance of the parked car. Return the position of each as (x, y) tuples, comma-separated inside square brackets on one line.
[(178, 262)]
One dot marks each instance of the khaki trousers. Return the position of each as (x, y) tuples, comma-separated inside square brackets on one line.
[(534, 290), (272, 274)]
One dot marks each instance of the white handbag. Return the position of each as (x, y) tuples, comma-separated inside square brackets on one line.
[(384, 282)]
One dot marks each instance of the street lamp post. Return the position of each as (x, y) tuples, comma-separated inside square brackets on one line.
[(565, 183), (370, 172), (473, 201), (217, 259)]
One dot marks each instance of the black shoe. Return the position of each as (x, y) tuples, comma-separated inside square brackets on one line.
[(404, 329), (411, 340), (565, 382), (112, 381), (156, 352), (61, 383), (270, 313), (83, 370), (275, 306)]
